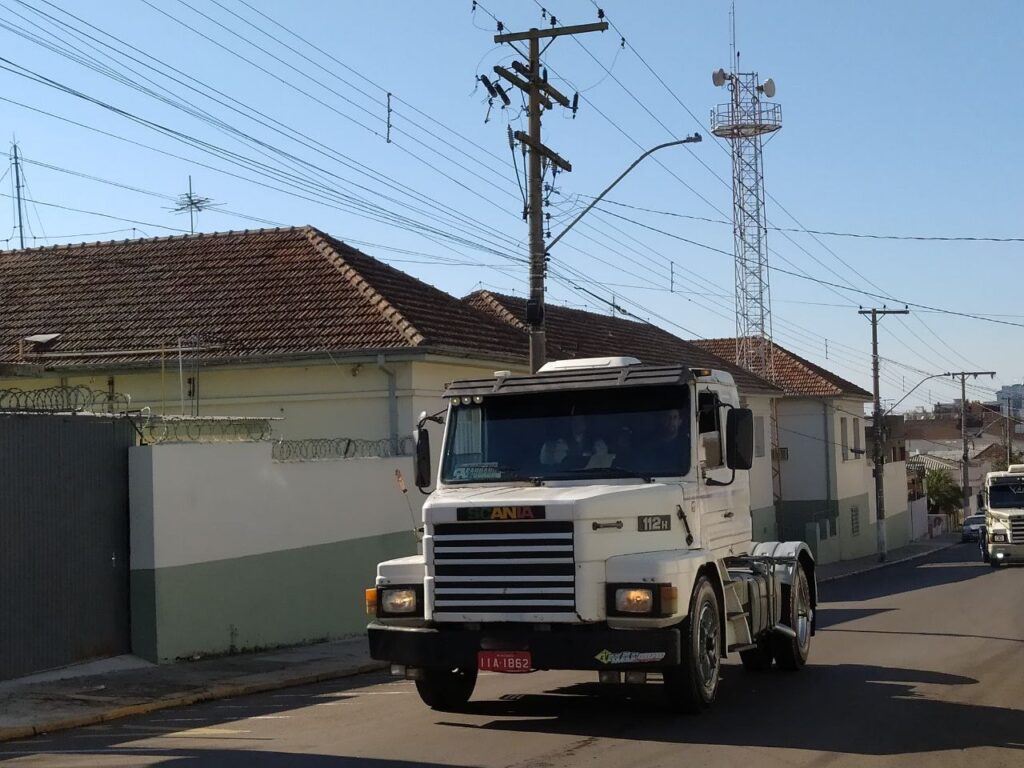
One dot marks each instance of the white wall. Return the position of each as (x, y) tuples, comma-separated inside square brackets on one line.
[(760, 474), (802, 431), (850, 480), (196, 503), (919, 518), (894, 487)]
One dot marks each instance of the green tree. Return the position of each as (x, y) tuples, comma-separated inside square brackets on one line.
[(944, 496)]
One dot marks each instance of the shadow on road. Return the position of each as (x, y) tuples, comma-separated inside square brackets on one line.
[(228, 758), (830, 617), (851, 709), (948, 566), (153, 740)]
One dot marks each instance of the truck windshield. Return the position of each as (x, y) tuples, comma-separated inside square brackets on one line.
[(627, 432), (1003, 495)]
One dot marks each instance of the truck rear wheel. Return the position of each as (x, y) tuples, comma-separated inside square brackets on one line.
[(791, 652), (446, 689), (693, 684)]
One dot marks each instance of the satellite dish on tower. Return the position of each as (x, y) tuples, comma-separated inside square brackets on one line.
[(769, 88), (718, 77)]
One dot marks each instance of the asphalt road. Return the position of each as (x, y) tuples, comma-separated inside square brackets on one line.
[(918, 665)]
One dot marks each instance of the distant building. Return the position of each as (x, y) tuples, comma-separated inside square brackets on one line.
[(1011, 398)]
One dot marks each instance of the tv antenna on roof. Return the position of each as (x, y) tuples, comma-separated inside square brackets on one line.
[(193, 203)]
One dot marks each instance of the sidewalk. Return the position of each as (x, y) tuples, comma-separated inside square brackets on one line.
[(115, 688), (913, 551)]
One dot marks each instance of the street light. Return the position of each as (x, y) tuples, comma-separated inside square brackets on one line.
[(696, 137), (922, 381)]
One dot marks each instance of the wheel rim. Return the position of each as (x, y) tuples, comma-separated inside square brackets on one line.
[(804, 614), (707, 647)]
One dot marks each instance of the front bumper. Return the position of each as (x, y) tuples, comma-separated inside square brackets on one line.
[(1011, 553), (584, 647)]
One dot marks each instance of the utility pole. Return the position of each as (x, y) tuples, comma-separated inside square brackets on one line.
[(529, 79), (879, 470), (966, 491), (17, 194)]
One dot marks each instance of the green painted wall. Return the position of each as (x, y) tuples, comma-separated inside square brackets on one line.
[(797, 514), (863, 540), (259, 601)]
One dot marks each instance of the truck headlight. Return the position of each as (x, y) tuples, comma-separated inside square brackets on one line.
[(642, 599), (999, 536), (399, 601), (633, 600)]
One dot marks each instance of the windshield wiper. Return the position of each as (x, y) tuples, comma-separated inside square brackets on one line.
[(610, 472)]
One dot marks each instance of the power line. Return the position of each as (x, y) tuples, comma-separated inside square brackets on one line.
[(925, 238), (716, 175), (103, 215)]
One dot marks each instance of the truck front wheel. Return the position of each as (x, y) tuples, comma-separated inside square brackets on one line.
[(692, 685), (446, 690), (791, 652)]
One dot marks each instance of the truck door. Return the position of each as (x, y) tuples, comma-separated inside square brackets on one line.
[(725, 520)]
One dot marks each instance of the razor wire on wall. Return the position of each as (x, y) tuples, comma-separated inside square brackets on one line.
[(331, 448), (79, 399)]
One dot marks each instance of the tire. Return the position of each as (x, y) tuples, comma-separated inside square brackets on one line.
[(757, 659), (993, 562), (984, 555), (446, 690), (791, 653), (692, 685)]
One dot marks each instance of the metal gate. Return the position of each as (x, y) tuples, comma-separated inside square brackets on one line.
[(64, 566)]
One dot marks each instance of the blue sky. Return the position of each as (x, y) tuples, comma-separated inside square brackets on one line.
[(899, 118)]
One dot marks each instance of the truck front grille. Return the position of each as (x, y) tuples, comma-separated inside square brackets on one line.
[(1017, 529), (504, 567)]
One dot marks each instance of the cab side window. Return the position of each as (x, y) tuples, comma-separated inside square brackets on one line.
[(710, 428)]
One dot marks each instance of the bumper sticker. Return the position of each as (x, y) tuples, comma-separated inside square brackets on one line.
[(629, 657)]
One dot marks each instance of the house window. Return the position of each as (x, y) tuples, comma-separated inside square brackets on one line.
[(855, 520), (783, 454), (844, 438), (856, 438), (759, 436), (895, 453)]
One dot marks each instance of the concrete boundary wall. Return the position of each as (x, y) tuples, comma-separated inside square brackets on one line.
[(233, 551)]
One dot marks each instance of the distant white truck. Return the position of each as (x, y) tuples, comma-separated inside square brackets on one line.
[(594, 516), (1003, 540)]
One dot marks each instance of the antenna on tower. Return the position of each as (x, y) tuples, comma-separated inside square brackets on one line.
[(192, 203), (743, 121)]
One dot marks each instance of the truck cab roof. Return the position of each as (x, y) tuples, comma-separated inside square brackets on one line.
[(587, 373)]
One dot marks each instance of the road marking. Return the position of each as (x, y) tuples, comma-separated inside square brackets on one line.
[(270, 717)]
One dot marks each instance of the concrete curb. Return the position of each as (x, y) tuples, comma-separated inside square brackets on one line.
[(213, 692), (886, 564)]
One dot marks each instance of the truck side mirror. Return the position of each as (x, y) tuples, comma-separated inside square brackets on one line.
[(739, 438), (421, 457)]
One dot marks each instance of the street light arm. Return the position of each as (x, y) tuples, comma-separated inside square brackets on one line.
[(688, 140), (922, 381)]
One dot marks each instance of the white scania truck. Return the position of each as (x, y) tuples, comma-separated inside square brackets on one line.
[(1003, 540), (593, 516)]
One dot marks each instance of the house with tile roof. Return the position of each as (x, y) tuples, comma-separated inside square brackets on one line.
[(289, 323), (825, 461), (573, 333)]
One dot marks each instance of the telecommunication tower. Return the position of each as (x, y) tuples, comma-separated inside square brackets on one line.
[(744, 120)]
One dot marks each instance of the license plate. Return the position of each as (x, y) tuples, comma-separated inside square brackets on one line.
[(504, 661)]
